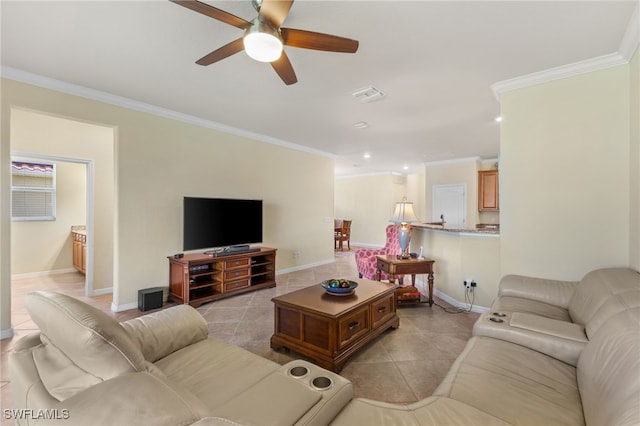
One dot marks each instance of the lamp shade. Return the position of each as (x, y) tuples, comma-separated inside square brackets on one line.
[(403, 213)]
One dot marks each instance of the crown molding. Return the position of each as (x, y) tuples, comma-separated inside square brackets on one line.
[(453, 161), (557, 73), (108, 98), (628, 45)]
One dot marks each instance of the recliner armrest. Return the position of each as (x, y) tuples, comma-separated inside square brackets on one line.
[(553, 292), (164, 332)]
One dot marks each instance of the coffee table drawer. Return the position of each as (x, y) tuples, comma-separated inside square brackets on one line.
[(382, 310), (353, 327)]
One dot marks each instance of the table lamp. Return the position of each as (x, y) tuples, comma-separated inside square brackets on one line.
[(404, 215)]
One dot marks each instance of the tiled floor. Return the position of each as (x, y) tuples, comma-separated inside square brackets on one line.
[(402, 365)]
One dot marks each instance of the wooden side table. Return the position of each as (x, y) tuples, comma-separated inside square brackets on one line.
[(394, 266)]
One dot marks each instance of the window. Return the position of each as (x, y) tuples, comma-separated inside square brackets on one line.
[(33, 191)]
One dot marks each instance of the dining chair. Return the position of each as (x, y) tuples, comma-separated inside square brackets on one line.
[(343, 234)]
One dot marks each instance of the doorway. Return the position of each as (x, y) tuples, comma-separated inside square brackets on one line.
[(450, 203), (44, 247)]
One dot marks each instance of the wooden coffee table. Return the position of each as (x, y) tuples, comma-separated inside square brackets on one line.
[(328, 328)]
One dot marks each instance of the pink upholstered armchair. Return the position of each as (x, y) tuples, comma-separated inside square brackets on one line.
[(366, 258)]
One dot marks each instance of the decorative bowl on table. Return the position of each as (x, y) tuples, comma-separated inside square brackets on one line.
[(339, 286)]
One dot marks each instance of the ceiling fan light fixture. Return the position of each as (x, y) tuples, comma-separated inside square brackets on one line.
[(262, 42)]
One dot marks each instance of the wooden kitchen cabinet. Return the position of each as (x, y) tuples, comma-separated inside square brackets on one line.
[(79, 237), (488, 193)]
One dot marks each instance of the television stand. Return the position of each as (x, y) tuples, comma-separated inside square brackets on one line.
[(200, 278)]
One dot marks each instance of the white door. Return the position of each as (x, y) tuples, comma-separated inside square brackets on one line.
[(450, 202)]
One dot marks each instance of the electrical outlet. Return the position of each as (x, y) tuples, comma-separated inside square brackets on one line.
[(474, 284), (296, 254)]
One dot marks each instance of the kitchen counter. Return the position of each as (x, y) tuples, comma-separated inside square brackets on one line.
[(445, 228), (79, 229)]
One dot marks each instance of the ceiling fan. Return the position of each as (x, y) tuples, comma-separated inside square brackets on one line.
[(264, 37)]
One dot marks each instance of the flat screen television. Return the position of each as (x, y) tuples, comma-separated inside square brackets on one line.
[(220, 222)]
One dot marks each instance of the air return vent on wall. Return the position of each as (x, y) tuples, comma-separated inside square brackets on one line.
[(367, 94)]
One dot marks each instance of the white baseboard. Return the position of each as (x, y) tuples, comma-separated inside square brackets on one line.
[(305, 266), (5, 334), (102, 291), (423, 287), (124, 307), (42, 273)]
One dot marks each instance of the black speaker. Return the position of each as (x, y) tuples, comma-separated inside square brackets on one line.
[(150, 298)]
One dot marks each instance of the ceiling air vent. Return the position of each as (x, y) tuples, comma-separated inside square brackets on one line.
[(367, 94)]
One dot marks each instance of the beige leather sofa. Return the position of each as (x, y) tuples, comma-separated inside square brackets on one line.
[(530, 371), (85, 368), (162, 369)]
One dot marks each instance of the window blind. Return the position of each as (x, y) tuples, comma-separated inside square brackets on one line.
[(33, 187)]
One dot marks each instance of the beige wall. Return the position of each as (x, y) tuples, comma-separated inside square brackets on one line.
[(159, 160), (565, 176), (45, 246), (369, 202), (459, 257), (416, 194), (634, 211)]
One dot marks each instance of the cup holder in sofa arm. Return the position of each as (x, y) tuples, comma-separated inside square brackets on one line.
[(334, 391), (496, 319), (321, 383), (298, 371)]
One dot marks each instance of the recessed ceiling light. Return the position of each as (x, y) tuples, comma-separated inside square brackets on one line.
[(405, 168), (498, 119), (367, 155), (361, 125)]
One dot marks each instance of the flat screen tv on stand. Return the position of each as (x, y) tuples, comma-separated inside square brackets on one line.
[(221, 226)]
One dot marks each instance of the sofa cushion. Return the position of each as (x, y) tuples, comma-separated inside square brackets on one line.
[(163, 332), (600, 294), (609, 372), (431, 411), (96, 346), (215, 371), (514, 383)]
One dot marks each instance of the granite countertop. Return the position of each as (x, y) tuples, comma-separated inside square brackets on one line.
[(79, 229), (440, 227)]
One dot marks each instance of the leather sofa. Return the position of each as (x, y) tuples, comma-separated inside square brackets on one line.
[(85, 368), (162, 369), (573, 359)]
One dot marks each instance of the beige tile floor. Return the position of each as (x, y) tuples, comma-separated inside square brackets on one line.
[(401, 366)]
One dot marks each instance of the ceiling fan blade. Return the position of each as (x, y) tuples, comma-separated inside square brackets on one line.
[(214, 13), (318, 41), (275, 11), (284, 69), (224, 52)]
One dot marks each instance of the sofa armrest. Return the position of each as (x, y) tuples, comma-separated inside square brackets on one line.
[(137, 398), (559, 339), (553, 292), (164, 332)]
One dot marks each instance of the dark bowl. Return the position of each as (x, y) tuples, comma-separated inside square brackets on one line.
[(339, 290)]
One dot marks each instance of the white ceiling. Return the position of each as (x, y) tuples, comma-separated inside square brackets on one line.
[(434, 60)]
